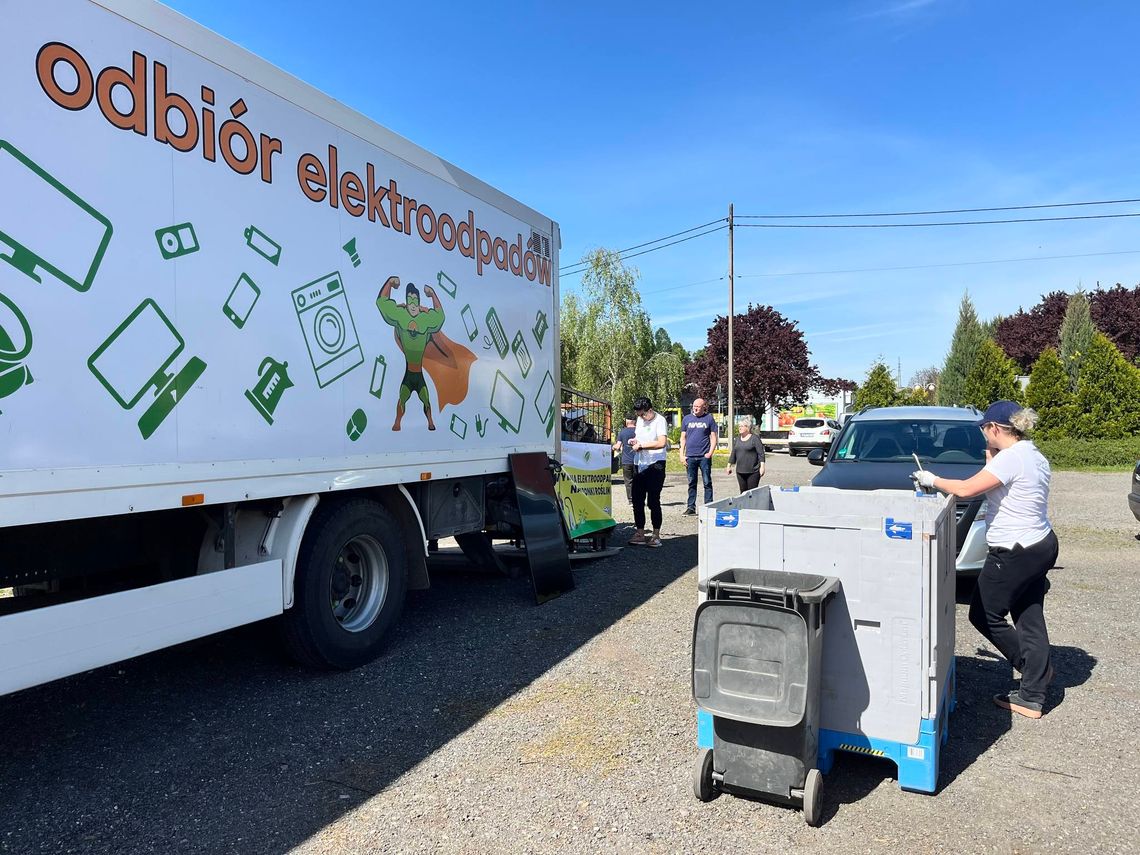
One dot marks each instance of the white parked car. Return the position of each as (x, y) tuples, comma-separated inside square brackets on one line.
[(811, 432)]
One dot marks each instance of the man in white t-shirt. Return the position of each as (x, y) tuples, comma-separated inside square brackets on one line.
[(1022, 550), (651, 443)]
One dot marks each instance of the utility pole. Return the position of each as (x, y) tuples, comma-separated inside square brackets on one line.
[(731, 428)]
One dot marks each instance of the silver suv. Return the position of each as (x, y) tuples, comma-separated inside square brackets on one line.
[(873, 452)]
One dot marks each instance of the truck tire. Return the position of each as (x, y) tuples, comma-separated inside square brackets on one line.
[(352, 577)]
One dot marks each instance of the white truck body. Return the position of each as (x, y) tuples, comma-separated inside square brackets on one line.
[(193, 247)]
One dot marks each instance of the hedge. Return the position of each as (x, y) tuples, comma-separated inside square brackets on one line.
[(1082, 453)]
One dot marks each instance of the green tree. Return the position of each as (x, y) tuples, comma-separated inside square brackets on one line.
[(992, 377), (682, 354), (968, 336), (661, 340), (610, 337), (1108, 394), (664, 379), (1077, 332), (879, 389), (1048, 393)]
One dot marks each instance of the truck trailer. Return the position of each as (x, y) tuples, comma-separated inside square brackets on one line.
[(256, 351)]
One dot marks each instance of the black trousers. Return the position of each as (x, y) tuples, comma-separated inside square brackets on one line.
[(628, 470), (1012, 582), (647, 486), (748, 480)]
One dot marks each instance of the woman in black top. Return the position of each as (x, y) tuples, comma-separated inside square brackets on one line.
[(748, 455)]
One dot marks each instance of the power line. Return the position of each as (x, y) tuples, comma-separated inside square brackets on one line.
[(652, 249), (686, 285), (647, 243), (931, 213), (930, 225), (930, 266)]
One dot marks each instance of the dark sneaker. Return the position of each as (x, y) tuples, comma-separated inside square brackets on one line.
[(689, 512), (1014, 703)]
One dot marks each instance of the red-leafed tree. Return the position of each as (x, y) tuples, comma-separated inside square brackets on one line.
[(1116, 313), (1024, 335), (772, 364)]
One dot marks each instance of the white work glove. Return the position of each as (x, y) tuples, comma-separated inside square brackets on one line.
[(924, 479)]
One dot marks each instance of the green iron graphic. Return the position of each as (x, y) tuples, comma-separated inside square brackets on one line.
[(273, 380), (263, 245), (34, 207), (507, 403), (135, 359), (15, 347)]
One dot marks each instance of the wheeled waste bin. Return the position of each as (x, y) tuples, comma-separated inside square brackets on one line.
[(757, 641)]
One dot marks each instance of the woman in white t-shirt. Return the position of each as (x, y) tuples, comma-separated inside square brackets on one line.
[(651, 442), (1022, 550)]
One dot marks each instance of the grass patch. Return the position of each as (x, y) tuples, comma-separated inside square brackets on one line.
[(674, 464)]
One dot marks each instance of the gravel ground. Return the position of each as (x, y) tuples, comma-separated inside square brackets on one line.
[(492, 725)]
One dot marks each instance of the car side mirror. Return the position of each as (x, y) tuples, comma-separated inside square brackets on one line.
[(816, 456)]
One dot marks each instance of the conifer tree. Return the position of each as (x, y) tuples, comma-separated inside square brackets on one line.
[(1077, 332), (1049, 395), (879, 389), (992, 377), (968, 335), (1108, 395)]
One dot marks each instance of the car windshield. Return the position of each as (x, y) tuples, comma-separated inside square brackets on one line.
[(809, 423), (933, 441)]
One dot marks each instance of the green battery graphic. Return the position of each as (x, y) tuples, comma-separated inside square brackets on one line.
[(446, 283), (379, 370), (263, 245)]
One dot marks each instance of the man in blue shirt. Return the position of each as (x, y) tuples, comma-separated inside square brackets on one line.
[(628, 462), (698, 442)]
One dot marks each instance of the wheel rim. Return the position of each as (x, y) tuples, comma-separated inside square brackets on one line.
[(359, 583)]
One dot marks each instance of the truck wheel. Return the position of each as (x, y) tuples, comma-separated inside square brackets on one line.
[(813, 788), (352, 576)]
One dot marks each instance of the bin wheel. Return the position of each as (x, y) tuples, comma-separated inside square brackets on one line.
[(703, 786), (813, 792)]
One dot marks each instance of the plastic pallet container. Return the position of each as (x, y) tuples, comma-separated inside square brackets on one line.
[(887, 674), (757, 642)]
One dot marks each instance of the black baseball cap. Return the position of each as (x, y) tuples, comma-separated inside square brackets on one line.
[(1000, 413)]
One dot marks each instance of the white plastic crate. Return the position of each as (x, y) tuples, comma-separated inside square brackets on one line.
[(888, 648)]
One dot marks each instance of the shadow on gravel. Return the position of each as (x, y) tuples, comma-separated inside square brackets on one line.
[(220, 745)]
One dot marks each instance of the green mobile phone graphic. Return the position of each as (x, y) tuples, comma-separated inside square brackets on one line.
[(134, 360), (45, 225), (498, 334), (507, 403), (469, 323), (545, 403), (241, 301), (458, 426), (522, 354)]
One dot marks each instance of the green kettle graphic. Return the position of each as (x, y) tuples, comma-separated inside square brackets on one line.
[(266, 395), (14, 375)]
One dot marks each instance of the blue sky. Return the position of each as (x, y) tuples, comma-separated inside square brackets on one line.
[(627, 122)]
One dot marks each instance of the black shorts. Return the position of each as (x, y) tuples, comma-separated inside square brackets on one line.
[(414, 381)]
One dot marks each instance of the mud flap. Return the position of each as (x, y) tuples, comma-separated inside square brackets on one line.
[(543, 530)]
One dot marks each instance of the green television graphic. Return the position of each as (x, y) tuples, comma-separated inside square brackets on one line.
[(134, 359), (507, 403), (45, 225)]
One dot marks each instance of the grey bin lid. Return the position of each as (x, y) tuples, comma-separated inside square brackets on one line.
[(750, 662)]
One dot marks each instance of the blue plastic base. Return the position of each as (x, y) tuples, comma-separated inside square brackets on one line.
[(917, 763)]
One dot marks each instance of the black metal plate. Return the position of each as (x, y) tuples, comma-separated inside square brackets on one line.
[(542, 525)]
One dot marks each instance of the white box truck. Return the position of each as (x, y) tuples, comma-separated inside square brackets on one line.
[(256, 351)]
